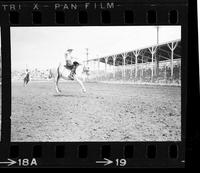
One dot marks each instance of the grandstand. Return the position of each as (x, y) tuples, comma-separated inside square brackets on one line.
[(159, 64)]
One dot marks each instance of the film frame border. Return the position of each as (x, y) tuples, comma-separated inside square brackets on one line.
[(16, 150)]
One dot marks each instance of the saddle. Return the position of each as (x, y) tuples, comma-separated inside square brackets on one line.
[(69, 67), (72, 67)]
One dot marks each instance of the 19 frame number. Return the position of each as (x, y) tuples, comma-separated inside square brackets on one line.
[(120, 162)]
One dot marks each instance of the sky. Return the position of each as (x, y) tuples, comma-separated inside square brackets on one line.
[(44, 47)]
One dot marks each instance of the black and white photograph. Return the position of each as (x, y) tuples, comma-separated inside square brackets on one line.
[(96, 83)]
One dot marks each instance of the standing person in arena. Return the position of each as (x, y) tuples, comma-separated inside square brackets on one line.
[(27, 77)]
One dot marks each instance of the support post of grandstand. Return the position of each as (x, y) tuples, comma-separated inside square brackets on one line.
[(165, 74), (172, 46), (131, 75), (106, 61), (152, 51), (136, 53), (142, 67)]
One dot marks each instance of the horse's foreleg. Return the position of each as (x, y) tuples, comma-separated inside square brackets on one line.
[(80, 83), (83, 78), (56, 84)]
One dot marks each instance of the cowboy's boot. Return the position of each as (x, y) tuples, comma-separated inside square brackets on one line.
[(73, 72)]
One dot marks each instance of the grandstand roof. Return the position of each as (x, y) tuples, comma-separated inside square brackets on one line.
[(163, 51)]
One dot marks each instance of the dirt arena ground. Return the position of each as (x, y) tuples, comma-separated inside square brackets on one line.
[(107, 112)]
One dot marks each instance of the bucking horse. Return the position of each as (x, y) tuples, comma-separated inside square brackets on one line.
[(62, 72)]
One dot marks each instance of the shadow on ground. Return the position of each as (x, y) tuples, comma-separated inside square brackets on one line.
[(67, 95)]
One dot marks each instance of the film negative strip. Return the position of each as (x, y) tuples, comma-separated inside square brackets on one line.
[(122, 69)]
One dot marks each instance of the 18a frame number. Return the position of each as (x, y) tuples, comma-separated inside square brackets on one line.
[(27, 162)]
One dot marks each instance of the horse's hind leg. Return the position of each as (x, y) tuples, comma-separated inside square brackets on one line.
[(80, 83)]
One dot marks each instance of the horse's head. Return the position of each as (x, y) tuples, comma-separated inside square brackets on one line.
[(86, 69)]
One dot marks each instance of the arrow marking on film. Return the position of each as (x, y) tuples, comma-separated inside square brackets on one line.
[(105, 161), (9, 162)]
